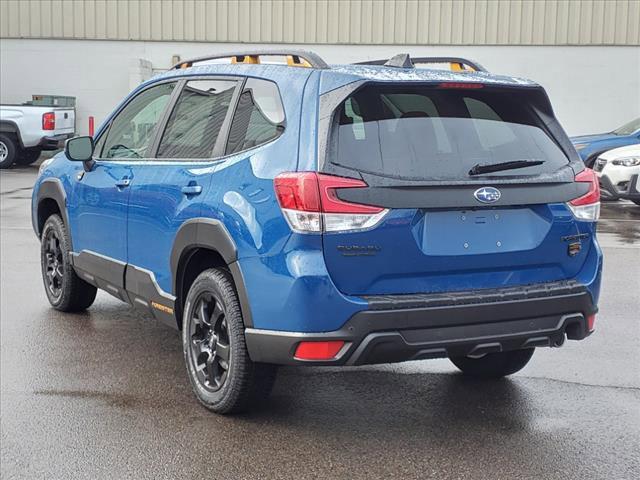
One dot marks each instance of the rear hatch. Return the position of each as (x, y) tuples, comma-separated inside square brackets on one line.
[(474, 180)]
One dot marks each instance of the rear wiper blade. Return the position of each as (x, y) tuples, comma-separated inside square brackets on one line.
[(478, 169)]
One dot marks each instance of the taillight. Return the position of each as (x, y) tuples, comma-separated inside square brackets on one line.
[(587, 207), (310, 203), (49, 121)]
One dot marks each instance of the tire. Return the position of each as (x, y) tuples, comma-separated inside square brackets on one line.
[(223, 377), (65, 290), (637, 202), (28, 156), (494, 365), (8, 150)]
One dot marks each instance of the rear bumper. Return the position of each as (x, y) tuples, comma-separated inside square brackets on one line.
[(54, 142), (414, 327)]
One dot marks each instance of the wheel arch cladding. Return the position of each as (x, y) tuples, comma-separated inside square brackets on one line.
[(205, 243), (50, 195), (9, 127)]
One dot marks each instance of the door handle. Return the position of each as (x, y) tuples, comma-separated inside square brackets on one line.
[(192, 190), (123, 182)]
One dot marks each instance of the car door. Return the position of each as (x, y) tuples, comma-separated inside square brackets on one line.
[(98, 209), (169, 190)]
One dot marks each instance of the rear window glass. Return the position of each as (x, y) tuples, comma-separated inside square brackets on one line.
[(429, 133)]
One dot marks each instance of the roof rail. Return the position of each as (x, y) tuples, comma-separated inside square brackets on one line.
[(457, 64), (295, 58)]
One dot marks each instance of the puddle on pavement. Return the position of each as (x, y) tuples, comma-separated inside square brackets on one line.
[(111, 399), (619, 224)]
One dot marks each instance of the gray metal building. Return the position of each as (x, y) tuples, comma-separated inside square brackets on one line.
[(377, 22)]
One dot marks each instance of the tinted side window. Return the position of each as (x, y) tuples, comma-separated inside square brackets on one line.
[(196, 120), (258, 118), (131, 132)]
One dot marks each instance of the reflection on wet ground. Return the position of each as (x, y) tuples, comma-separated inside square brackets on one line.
[(619, 223)]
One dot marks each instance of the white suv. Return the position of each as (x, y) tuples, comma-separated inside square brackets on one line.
[(618, 170)]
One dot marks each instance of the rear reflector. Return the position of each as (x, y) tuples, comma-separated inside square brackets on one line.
[(591, 322), (587, 207), (49, 121), (318, 350), (310, 203)]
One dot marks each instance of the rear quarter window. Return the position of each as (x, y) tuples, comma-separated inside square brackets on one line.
[(259, 117)]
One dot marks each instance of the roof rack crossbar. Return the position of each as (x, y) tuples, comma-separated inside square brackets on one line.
[(457, 63), (298, 58)]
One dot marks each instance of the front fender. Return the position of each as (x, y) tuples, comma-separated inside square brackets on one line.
[(48, 188)]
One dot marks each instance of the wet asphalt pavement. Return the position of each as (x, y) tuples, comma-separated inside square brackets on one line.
[(105, 394)]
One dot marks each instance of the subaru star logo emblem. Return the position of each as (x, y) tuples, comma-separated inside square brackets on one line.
[(487, 194)]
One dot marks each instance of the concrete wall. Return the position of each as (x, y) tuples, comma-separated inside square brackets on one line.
[(592, 89)]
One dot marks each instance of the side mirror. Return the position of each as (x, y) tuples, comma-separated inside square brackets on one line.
[(79, 149)]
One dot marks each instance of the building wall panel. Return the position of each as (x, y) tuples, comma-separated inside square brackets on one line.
[(383, 22)]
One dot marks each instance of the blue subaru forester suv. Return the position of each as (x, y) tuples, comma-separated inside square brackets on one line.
[(294, 213)]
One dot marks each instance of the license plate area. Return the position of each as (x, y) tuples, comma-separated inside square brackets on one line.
[(484, 231)]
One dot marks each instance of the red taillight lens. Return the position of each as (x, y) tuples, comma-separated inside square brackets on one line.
[(330, 201), (461, 85), (587, 207), (593, 195), (318, 350), (49, 121), (591, 322), (298, 191), (310, 203)]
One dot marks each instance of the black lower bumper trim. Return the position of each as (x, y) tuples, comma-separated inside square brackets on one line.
[(388, 347), (457, 328), (54, 142), (607, 190), (633, 192), (610, 192)]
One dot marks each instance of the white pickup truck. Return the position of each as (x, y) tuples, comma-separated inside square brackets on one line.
[(26, 130)]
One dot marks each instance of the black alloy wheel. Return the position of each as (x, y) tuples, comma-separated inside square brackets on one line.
[(54, 264), (210, 349), (65, 290), (223, 377)]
